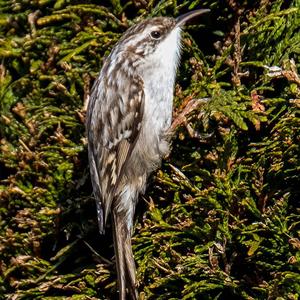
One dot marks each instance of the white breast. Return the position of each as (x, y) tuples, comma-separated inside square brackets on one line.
[(158, 73)]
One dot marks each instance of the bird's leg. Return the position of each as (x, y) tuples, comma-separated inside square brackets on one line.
[(182, 116)]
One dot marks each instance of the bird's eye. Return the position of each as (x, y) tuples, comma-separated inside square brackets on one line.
[(155, 34)]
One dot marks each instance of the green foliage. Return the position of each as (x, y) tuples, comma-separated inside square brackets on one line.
[(222, 215)]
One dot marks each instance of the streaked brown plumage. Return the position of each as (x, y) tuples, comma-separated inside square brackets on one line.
[(129, 112)]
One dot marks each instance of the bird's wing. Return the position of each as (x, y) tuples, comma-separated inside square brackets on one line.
[(113, 124)]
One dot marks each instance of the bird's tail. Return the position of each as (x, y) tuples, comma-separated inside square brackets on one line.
[(124, 258)]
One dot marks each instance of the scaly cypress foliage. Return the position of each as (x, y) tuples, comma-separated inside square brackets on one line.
[(220, 220)]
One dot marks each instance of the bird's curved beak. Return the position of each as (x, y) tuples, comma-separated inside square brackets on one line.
[(181, 20)]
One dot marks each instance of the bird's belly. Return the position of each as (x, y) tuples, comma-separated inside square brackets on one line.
[(159, 103), (158, 113), (152, 144)]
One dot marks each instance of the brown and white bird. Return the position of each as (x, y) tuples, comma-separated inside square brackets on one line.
[(129, 113)]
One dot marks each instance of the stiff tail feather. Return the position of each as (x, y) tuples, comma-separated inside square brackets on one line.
[(124, 258)]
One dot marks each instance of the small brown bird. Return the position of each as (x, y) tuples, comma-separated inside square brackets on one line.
[(129, 113)]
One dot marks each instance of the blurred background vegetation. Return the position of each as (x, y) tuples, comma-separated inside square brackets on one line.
[(219, 220)]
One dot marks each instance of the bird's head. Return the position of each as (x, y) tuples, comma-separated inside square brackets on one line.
[(156, 38)]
